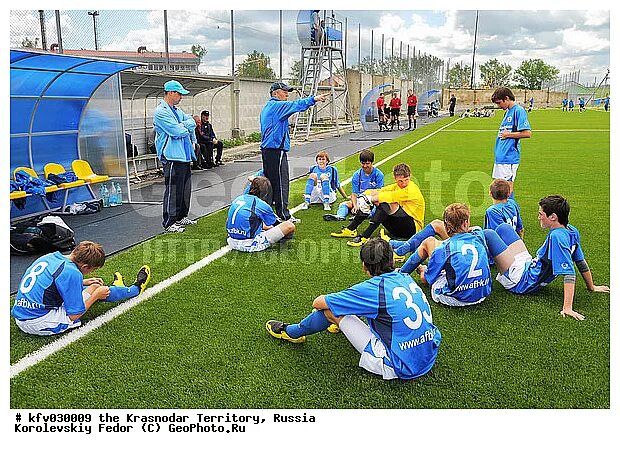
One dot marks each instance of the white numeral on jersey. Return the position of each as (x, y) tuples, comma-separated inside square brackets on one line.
[(473, 272), (30, 279), (398, 292), (239, 205)]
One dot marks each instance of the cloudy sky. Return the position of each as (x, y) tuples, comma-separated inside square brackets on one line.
[(571, 40)]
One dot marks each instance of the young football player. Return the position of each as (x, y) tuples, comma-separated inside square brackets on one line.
[(367, 177), (504, 209), (521, 274), (251, 178), (53, 294), (400, 207), (381, 111), (252, 225), (400, 339), (458, 267), (322, 183), (514, 127)]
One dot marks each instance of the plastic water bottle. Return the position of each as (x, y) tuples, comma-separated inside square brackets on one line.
[(119, 194), (113, 197), (105, 195)]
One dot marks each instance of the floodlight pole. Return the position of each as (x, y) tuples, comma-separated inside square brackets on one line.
[(280, 45), (94, 14), (473, 58), (43, 33), (166, 40)]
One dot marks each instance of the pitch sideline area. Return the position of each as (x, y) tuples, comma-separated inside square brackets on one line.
[(70, 337)]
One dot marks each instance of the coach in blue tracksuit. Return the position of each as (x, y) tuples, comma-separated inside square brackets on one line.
[(276, 143), (175, 148)]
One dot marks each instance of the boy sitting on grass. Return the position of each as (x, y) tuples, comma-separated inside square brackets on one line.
[(504, 208), (521, 274), (53, 293), (322, 183)]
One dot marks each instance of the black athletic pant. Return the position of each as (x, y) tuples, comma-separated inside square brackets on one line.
[(358, 219), (275, 166), (399, 225), (219, 147), (178, 191)]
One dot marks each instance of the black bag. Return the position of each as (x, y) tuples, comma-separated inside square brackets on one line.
[(42, 236)]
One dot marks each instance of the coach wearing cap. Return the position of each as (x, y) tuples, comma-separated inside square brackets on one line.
[(276, 143), (175, 148)]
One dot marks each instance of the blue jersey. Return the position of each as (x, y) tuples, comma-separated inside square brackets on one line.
[(554, 258), (564, 102), (508, 151), (464, 260), (51, 281), (399, 315), (331, 172), (246, 216), (582, 102), (361, 181), (571, 104), (507, 212)]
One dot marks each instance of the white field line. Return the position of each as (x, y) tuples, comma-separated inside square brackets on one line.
[(74, 335)]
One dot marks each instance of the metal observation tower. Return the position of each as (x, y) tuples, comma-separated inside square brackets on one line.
[(322, 70)]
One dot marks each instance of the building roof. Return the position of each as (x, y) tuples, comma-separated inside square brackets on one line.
[(157, 55)]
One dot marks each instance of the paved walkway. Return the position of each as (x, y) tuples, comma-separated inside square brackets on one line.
[(121, 227)]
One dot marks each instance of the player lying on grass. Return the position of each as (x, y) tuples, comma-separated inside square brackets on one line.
[(400, 340), (367, 177), (251, 225), (458, 267), (520, 273), (322, 183), (400, 207), (53, 293), (504, 209)]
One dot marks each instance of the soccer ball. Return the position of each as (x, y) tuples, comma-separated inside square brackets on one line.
[(364, 204), (401, 128)]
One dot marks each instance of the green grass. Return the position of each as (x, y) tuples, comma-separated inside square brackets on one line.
[(201, 343)]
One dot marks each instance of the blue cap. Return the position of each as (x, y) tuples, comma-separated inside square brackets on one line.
[(280, 85), (175, 86)]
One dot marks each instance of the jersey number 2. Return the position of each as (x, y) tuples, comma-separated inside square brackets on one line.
[(473, 271)]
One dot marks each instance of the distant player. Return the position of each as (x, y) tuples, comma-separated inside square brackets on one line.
[(521, 274), (400, 339), (571, 105), (53, 293), (514, 127), (395, 104), (504, 209), (582, 104), (400, 207), (606, 103), (367, 177), (531, 105), (458, 267), (412, 105), (564, 104), (381, 111), (252, 225), (322, 184)]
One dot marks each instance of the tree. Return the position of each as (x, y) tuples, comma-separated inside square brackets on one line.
[(296, 74), (256, 65), (495, 74), (533, 72), (199, 51), (459, 75)]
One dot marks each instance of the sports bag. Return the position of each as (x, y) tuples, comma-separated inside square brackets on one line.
[(41, 236)]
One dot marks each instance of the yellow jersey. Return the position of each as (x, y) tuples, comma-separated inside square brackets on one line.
[(410, 199)]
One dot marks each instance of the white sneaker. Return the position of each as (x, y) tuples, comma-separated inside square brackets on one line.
[(305, 205), (173, 228), (294, 220), (327, 207), (185, 222)]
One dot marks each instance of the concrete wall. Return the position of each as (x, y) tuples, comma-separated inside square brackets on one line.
[(476, 98)]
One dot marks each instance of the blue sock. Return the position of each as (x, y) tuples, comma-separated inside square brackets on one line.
[(309, 187), (507, 233), (412, 263), (313, 323), (122, 293), (397, 244), (343, 210), (494, 242), (325, 189), (416, 240)]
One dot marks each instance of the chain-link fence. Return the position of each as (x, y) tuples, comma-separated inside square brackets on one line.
[(272, 35)]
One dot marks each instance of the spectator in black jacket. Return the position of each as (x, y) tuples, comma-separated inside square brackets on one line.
[(211, 140)]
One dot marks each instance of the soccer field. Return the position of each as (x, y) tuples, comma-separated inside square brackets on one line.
[(201, 342)]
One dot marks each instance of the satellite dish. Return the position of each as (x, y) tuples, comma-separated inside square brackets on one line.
[(304, 27)]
